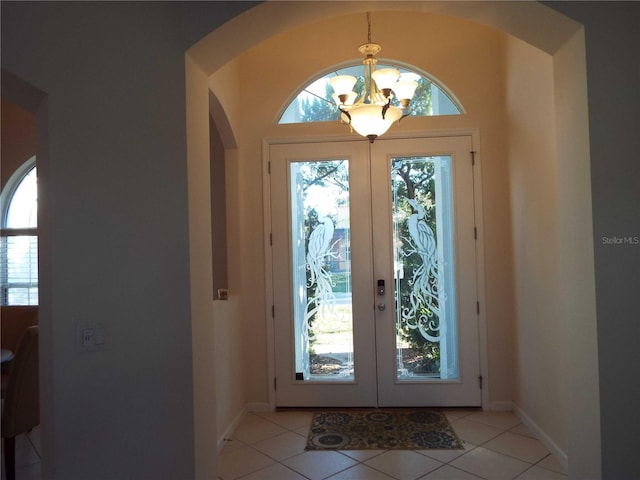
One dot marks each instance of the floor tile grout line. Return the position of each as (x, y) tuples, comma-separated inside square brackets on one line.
[(450, 466), (522, 473), (484, 445), (362, 462), (33, 446), (511, 456), (548, 469)]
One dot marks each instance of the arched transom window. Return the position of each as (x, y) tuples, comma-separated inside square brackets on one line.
[(315, 104)]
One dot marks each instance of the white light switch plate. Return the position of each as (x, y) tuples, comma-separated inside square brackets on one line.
[(91, 337)]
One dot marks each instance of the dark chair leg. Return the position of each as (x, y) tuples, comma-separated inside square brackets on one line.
[(10, 457)]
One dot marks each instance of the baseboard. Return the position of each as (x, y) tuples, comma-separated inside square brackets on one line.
[(556, 451), (258, 407), (231, 428), (249, 407), (501, 407)]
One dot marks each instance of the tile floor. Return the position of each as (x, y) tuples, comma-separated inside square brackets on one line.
[(27, 456), (270, 446)]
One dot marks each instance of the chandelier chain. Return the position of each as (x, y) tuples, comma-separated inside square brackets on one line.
[(368, 27)]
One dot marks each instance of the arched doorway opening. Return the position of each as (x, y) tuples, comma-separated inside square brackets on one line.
[(211, 67)]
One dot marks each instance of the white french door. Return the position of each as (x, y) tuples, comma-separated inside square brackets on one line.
[(374, 273)]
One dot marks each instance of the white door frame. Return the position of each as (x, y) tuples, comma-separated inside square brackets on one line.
[(480, 270)]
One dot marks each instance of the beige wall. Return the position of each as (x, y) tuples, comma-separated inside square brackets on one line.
[(576, 276), (205, 405), (540, 342)]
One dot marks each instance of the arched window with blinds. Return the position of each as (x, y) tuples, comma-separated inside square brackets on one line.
[(19, 238)]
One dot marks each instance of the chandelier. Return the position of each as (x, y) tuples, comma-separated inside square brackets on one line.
[(372, 114)]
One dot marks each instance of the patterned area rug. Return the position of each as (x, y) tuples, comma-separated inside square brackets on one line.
[(383, 429)]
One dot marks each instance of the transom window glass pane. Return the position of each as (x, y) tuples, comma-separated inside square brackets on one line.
[(314, 102), (23, 205)]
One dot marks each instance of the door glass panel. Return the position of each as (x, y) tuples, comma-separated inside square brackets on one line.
[(423, 244), (321, 261)]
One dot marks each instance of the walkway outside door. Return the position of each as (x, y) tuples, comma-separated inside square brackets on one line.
[(374, 273)]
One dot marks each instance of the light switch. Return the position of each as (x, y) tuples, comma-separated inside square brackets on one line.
[(87, 337), (98, 336), (91, 337)]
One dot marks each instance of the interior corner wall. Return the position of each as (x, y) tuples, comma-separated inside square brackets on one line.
[(541, 377), (18, 138), (229, 326), (203, 326), (576, 288), (244, 192)]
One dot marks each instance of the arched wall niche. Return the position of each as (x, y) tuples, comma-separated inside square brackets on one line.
[(218, 63)]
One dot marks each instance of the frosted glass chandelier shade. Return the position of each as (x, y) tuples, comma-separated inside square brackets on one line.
[(404, 89), (343, 84), (386, 78), (367, 120)]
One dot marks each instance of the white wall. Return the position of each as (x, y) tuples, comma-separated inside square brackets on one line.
[(612, 41), (117, 244), (116, 234)]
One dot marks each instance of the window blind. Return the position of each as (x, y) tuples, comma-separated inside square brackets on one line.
[(19, 267)]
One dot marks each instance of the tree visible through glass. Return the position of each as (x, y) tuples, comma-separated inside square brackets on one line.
[(423, 268), (323, 314), (423, 240)]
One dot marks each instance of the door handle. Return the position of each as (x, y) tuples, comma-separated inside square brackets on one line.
[(382, 307)]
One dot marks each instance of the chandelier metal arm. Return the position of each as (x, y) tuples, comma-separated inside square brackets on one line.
[(385, 108), (346, 114)]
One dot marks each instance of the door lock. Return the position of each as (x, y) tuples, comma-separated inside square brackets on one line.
[(381, 289)]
